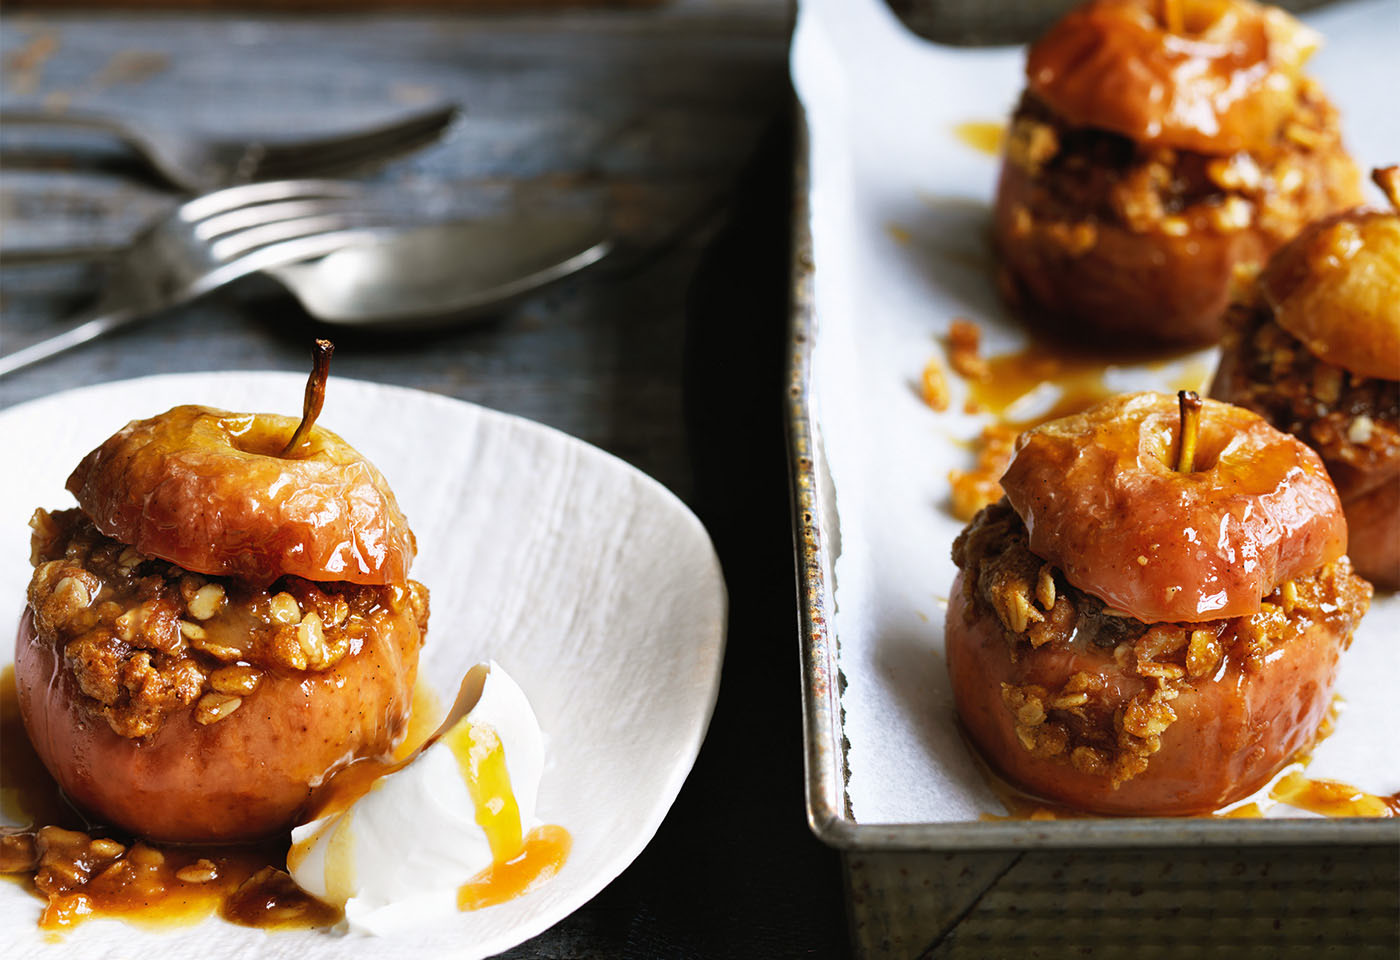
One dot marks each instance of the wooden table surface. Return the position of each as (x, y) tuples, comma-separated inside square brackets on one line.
[(653, 113)]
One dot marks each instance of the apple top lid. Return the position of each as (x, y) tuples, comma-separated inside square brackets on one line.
[(209, 490), (1104, 501), (1211, 76)]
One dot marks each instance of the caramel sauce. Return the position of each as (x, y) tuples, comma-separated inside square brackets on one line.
[(424, 714), (520, 860), (172, 885), (1332, 799), (83, 875), (1078, 383), (981, 135), (1076, 378), (482, 761), (544, 851)]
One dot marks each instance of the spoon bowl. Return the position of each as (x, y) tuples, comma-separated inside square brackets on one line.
[(435, 274)]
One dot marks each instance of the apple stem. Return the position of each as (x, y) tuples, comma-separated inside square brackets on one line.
[(1190, 402), (315, 395), (1388, 179)]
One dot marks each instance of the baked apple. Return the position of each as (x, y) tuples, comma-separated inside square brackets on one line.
[(1151, 621), (1160, 152), (1315, 348), (225, 621)]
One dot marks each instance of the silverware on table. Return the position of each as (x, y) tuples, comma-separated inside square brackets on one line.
[(439, 273), (208, 242), (198, 164), (345, 254)]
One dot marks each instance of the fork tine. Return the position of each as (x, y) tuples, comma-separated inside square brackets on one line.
[(261, 214), (327, 236), (240, 244), (341, 153), (231, 198)]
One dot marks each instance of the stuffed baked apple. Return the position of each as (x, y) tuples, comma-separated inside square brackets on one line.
[(1316, 350), (1161, 150), (224, 621), (1150, 622)]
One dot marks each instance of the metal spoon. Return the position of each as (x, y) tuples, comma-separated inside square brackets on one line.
[(436, 274)]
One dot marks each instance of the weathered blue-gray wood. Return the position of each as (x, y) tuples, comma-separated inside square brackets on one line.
[(649, 113)]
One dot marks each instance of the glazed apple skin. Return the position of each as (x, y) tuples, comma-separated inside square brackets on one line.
[(1334, 287), (206, 489), (245, 776), (1233, 730), (1227, 84), (1103, 502)]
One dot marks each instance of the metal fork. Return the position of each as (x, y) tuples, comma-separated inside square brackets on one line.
[(198, 164), (211, 241)]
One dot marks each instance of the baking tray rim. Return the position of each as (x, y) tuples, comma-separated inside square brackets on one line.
[(823, 742)]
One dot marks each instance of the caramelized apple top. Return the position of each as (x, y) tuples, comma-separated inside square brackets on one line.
[(1212, 76), (1334, 287), (1102, 500), (207, 489)]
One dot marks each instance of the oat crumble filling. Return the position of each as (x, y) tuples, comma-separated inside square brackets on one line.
[(1353, 422), (144, 637), (1076, 724), (1088, 175)]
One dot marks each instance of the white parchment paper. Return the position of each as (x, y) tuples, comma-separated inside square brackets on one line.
[(591, 584), (901, 212)]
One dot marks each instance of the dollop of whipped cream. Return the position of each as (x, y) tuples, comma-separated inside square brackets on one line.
[(433, 834)]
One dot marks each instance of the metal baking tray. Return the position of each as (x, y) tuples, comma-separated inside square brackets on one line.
[(817, 537)]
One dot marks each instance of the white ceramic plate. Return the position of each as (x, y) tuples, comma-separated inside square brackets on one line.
[(589, 582)]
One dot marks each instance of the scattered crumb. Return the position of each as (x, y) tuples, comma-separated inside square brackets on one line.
[(900, 234), (934, 385), (981, 486), (965, 350)]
